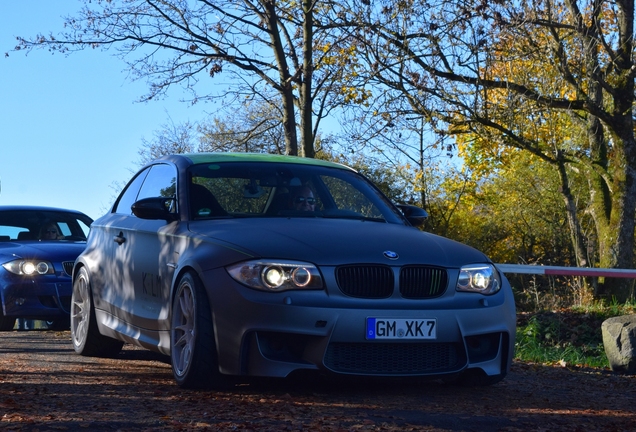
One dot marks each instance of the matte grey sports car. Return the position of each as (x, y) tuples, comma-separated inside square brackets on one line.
[(263, 265)]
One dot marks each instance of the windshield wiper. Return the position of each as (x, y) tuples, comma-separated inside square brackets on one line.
[(348, 214)]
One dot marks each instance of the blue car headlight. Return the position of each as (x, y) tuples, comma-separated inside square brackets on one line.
[(275, 276), (24, 267), (480, 278)]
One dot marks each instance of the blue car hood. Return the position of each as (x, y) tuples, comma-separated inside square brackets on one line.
[(337, 241), (53, 250)]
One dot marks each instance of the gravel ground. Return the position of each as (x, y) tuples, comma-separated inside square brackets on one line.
[(45, 386)]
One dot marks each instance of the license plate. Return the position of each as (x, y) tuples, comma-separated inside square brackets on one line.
[(401, 328)]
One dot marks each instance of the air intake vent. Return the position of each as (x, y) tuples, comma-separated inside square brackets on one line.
[(394, 358), (68, 267), (419, 282), (365, 281)]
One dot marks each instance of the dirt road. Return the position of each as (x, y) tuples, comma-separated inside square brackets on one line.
[(45, 386)]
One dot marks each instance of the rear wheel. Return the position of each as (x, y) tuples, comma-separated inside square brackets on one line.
[(87, 340), (192, 347)]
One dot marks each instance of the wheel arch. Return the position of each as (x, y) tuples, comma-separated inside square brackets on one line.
[(79, 264), (211, 377), (76, 269), (188, 268)]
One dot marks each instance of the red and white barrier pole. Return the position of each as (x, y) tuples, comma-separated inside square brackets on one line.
[(566, 271)]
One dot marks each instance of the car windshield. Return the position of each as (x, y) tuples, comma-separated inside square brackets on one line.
[(239, 189), (43, 225)]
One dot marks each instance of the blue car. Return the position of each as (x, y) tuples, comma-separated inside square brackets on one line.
[(38, 246)]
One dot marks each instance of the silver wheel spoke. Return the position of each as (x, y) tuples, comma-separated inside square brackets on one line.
[(80, 311), (183, 330)]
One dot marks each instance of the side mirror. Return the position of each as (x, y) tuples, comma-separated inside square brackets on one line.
[(415, 215), (155, 208)]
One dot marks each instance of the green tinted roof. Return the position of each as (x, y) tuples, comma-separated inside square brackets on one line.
[(199, 158)]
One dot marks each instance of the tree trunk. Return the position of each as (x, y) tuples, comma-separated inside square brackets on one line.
[(578, 243), (623, 156), (613, 187), (617, 237), (285, 87), (306, 124)]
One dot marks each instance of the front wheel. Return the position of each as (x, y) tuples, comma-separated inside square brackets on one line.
[(192, 348), (87, 340)]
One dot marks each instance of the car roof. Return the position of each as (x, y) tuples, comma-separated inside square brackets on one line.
[(199, 158), (37, 208)]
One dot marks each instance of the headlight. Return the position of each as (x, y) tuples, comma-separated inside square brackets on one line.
[(29, 267), (276, 276), (481, 278)]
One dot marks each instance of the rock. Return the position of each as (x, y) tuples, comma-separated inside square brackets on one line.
[(619, 340)]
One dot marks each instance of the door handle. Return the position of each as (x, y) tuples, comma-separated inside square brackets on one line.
[(119, 239)]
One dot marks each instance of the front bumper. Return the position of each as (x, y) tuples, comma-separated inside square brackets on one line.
[(275, 334), (42, 298)]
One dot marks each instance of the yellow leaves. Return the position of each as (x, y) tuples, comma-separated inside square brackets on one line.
[(534, 63), (341, 57), (344, 59), (355, 95)]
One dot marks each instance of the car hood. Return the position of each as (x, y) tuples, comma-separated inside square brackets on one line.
[(338, 241), (54, 251)]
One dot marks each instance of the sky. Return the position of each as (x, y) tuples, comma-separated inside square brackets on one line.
[(70, 126)]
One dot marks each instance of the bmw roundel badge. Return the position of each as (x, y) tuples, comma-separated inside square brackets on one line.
[(391, 255)]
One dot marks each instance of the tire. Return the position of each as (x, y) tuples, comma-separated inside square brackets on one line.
[(192, 348), (87, 340), (6, 323)]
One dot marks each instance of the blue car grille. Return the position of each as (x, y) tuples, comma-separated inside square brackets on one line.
[(373, 281), (394, 358), (68, 267)]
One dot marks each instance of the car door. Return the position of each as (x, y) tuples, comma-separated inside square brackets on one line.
[(136, 287)]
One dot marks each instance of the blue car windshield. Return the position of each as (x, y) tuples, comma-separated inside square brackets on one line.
[(43, 225), (254, 189)]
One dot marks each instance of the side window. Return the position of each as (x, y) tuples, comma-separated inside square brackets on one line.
[(85, 228), (156, 181), (64, 228), (8, 232), (161, 181), (129, 195)]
